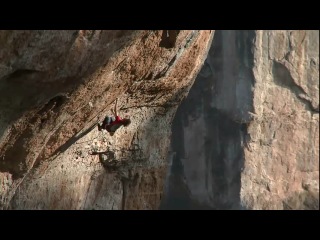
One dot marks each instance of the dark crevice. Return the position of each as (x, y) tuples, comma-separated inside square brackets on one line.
[(188, 42), (148, 76), (124, 183), (168, 38), (53, 104)]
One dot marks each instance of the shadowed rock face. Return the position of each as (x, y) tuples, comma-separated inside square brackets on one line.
[(54, 85), (247, 135)]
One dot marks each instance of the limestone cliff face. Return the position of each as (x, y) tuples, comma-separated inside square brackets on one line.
[(54, 85), (247, 135)]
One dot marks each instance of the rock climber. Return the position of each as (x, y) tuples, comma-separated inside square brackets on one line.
[(111, 124)]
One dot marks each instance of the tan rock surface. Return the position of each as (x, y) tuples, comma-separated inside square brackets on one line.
[(54, 84)]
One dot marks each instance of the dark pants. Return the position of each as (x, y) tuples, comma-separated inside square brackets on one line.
[(108, 120)]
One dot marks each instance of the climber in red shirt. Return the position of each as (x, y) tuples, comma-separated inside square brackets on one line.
[(111, 124)]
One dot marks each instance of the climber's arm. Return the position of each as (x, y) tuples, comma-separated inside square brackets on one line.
[(115, 108)]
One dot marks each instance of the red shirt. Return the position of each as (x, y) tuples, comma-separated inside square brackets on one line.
[(118, 120), (112, 127)]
